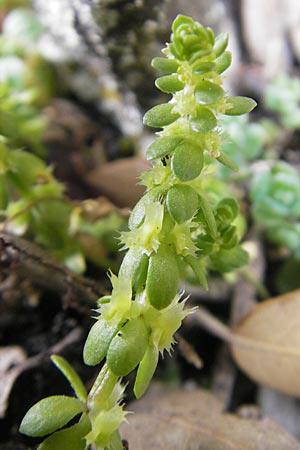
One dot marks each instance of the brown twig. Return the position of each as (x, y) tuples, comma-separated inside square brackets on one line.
[(30, 261)]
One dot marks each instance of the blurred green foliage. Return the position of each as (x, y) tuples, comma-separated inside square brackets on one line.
[(283, 97), (273, 186), (275, 196), (32, 200)]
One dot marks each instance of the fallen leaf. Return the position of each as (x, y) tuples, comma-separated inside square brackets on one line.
[(11, 359), (118, 180), (13, 362), (266, 344), (193, 420)]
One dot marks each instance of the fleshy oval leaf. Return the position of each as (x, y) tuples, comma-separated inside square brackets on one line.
[(29, 166), (162, 146), (146, 370), (166, 65), (159, 116), (207, 92), (138, 213), (229, 237), (131, 263), (221, 42), (50, 414), (169, 83), (163, 277), (227, 161), (71, 438), (208, 215), (223, 62), (199, 270), (205, 120), (187, 161), (203, 66), (71, 376), (182, 202), (180, 20), (239, 105), (227, 209), (229, 260), (196, 55), (134, 267), (97, 342), (128, 347)]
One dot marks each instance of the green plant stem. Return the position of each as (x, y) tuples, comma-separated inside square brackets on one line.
[(248, 274), (102, 387)]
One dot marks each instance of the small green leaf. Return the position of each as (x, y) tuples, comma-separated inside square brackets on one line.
[(182, 202), (162, 146), (187, 161), (28, 167), (163, 277), (146, 370), (227, 161), (166, 65), (227, 209), (209, 216), (223, 62), (128, 347), (138, 213), (104, 300), (71, 376), (205, 120), (210, 35), (198, 269), (133, 266), (140, 275), (207, 92), (239, 105), (97, 342), (169, 83), (221, 43), (159, 116), (205, 243), (228, 260), (182, 20), (71, 438), (229, 237), (175, 49), (203, 66), (167, 225), (196, 55), (50, 414)]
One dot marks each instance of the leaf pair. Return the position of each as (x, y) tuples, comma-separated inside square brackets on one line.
[(186, 157)]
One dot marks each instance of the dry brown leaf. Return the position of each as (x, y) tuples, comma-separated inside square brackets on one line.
[(118, 180), (266, 344), (193, 420), (11, 360)]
